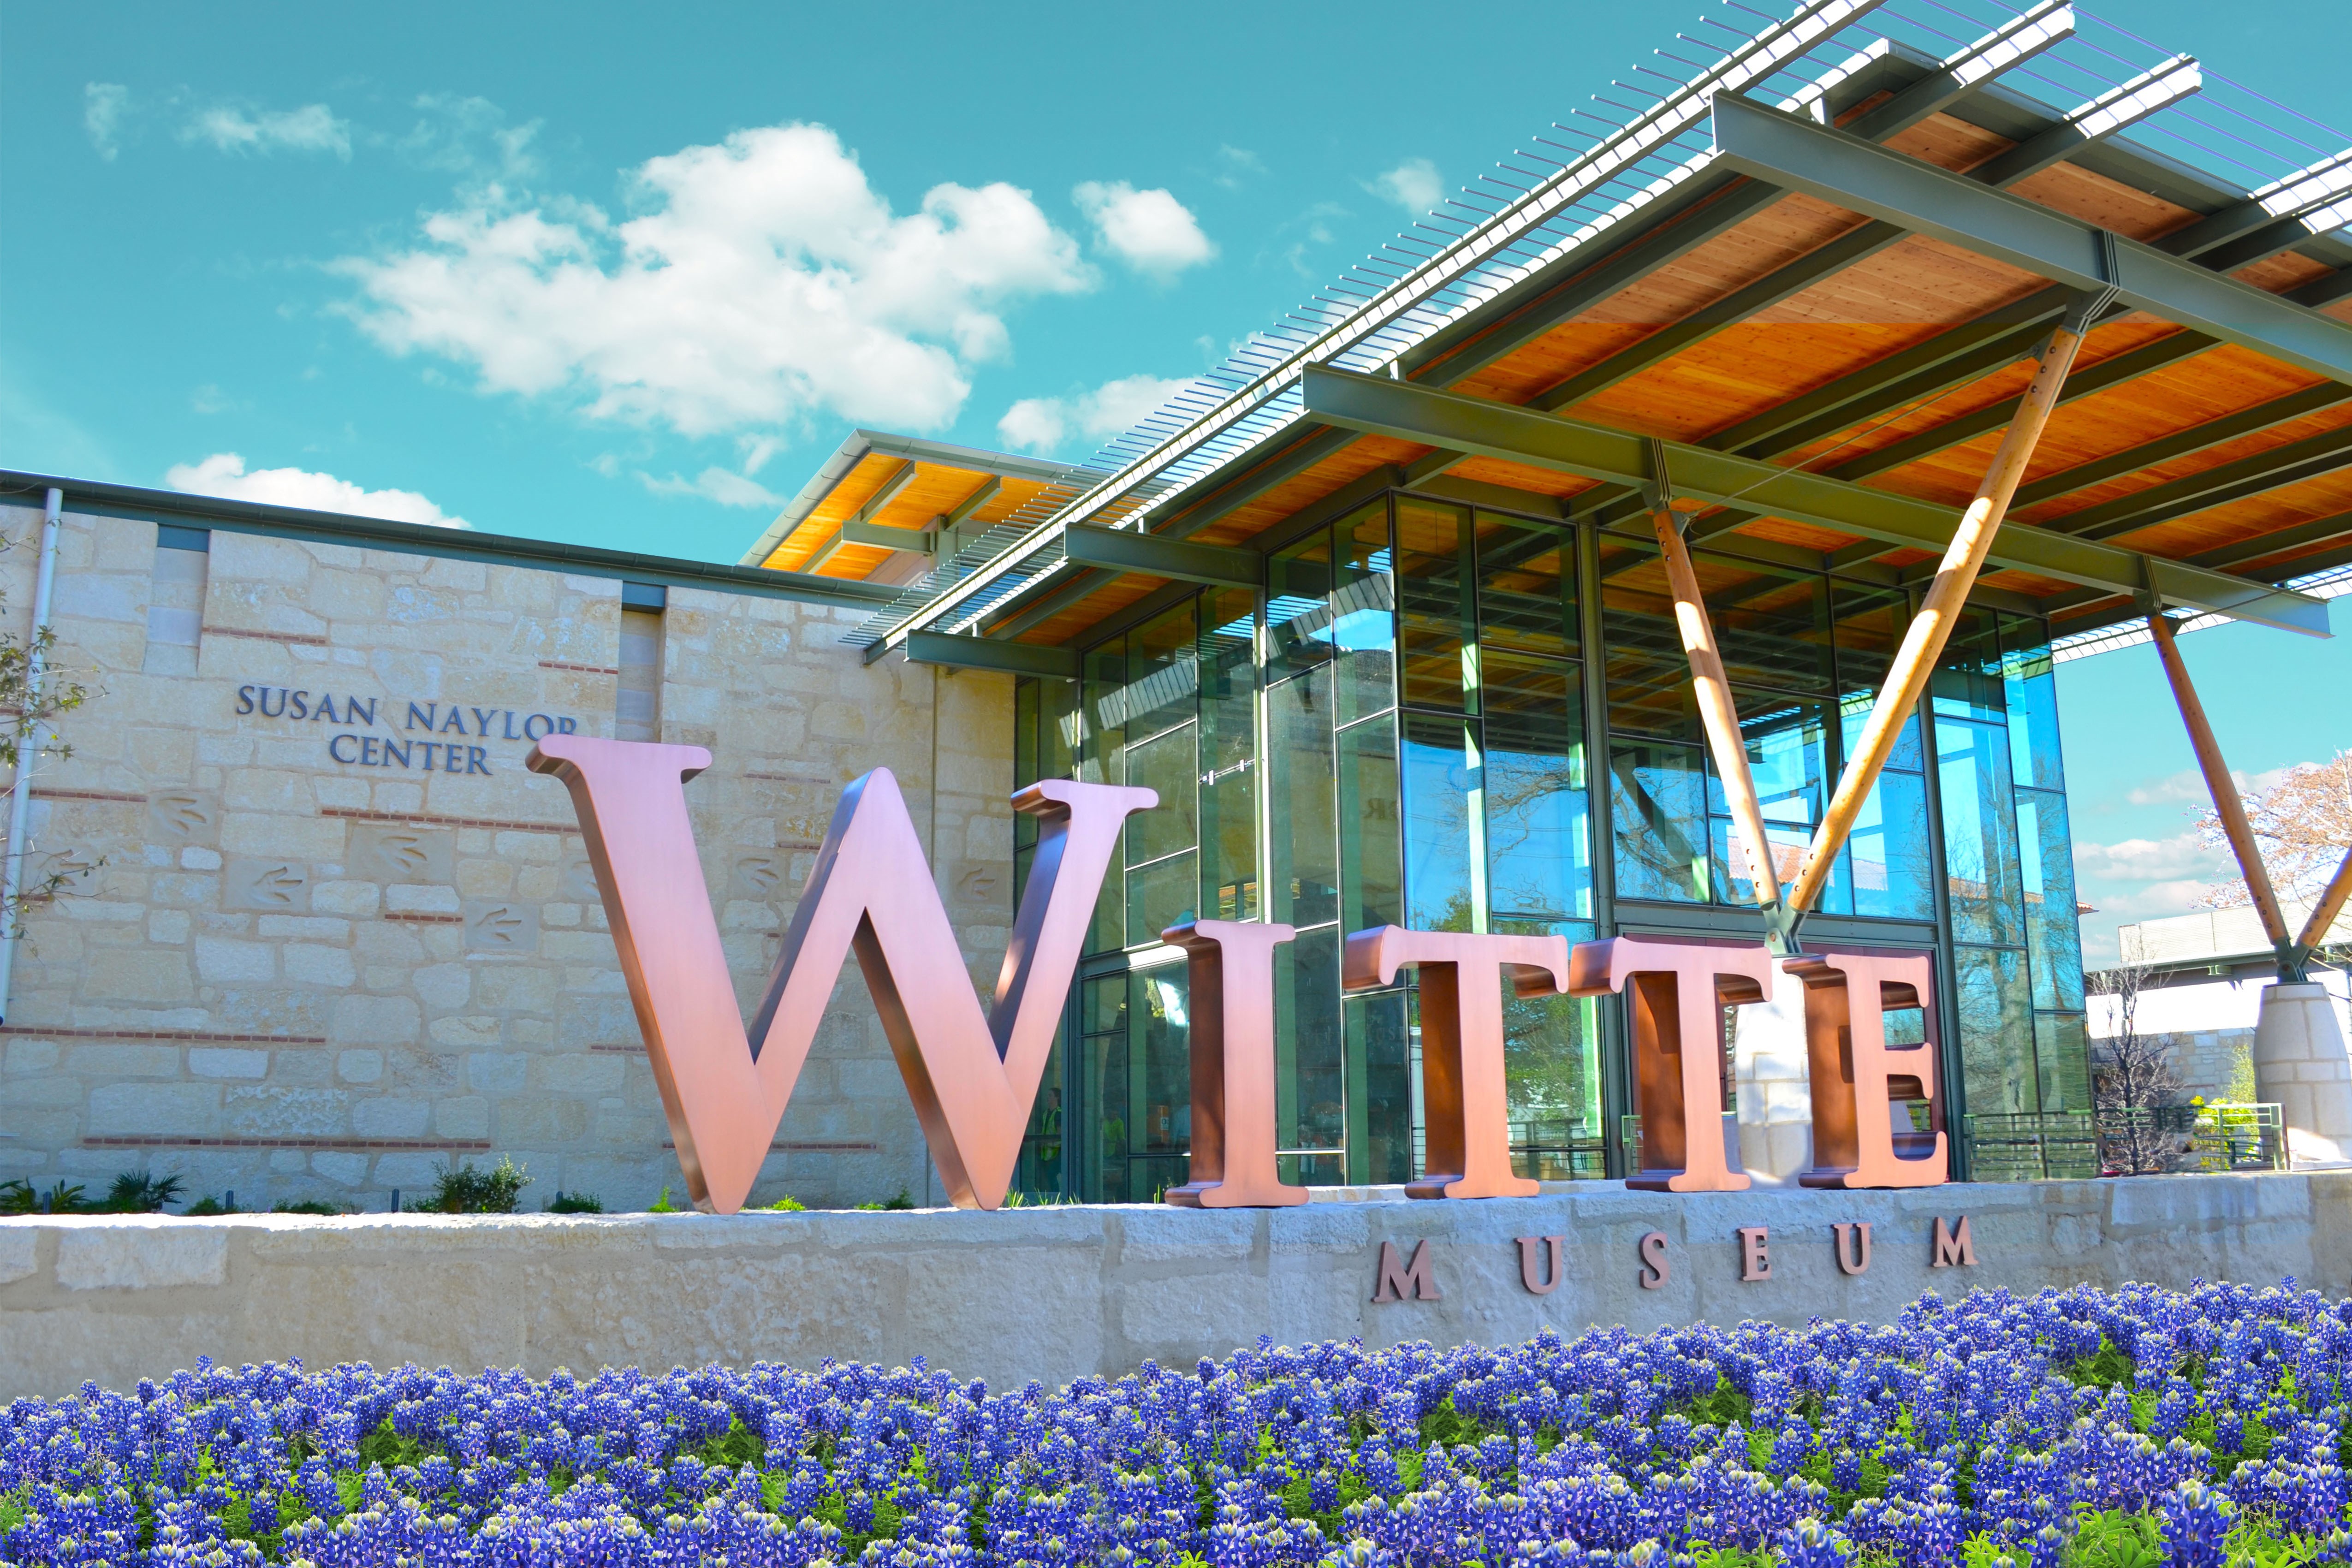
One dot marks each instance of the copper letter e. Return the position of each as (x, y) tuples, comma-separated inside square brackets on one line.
[(973, 1078)]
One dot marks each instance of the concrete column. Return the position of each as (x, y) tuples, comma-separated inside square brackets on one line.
[(1776, 1095), (2300, 1062)]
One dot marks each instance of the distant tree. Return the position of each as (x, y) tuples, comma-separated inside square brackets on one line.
[(2132, 1075), (25, 741), (2303, 824)]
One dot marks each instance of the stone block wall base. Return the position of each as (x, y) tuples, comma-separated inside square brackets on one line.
[(1057, 1292), (2300, 1062)]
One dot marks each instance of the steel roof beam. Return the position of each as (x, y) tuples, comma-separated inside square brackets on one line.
[(2181, 443), (2130, 366), (1152, 555), (2119, 108), (1861, 176), (2290, 464), (1406, 412), (986, 653)]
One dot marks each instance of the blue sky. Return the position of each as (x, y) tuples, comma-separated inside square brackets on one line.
[(622, 276)]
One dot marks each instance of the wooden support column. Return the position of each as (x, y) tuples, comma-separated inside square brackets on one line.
[(1716, 709), (1931, 628), (2331, 904), (2224, 792)]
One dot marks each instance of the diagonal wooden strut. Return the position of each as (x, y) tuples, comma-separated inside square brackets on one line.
[(2331, 903), (1715, 709), (1939, 610), (2226, 802)]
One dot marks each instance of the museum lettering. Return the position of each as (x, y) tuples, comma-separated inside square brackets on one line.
[(974, 1077), (405, 747)]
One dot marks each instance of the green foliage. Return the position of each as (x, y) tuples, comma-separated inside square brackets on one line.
[(1296, 1501), (12, 1508), (663, 1205), (835, 1512), (2116, 1540), (2255, 1545), (574, 1203), (737, 1447), (901, 1201), (305, 1206), (1721, 1405), (207, 1206), (464, 1189), (140, 1192), (17, 1196), (2106, 1367), (387, 1447), (788, 1204)]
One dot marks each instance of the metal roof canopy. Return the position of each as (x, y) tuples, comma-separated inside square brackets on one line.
[(1301, 413)]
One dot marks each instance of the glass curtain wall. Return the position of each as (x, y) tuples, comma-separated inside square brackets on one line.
[(2008, 866), (1395, 732)]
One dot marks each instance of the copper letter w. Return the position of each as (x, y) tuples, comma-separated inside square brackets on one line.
[(973, 1078)]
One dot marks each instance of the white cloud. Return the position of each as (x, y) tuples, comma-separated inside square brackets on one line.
[(717, 484), (103, 104), (312, 127), (1237, 164), (470, 136), (1151, 231), (224, 474), (766, 281), (1413, 184), (1043, 424), (2179, 857)]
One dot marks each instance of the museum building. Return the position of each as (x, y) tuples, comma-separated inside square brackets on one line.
[(1405, 611)]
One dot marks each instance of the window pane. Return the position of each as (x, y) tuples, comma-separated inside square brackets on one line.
[(1043, 1168), (1637, 616), (1657, 798), (1870, 623), (2063, 1047), (1100, 761), (1997, 1056), (1539, 849), (1437, 606), (1771, 623), (1228, 756), (2032, 694), (1551, 1054), (1980, 866), (1304, 854), (1784, 744), (1364, 613), (1160, 895), (1885, 869), (1967, 681), (1162, 681), (1525, 575), (1440, 767), (1297, 606), (1159, 1070), (1104, 1084), (1310, 1061), (1166, 764), (1379, 1050), (1372, 818), (2053, 933)]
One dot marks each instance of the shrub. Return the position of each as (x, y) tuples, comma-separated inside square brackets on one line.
[(574, 1203), (2071, 1429), (663, 1205), (463, 1189), (788, 1204), (206, 1208), (306, 1205), (139, 1192), (19, 1196)]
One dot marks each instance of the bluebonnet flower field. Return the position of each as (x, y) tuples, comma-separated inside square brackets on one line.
[(2105, 1429)]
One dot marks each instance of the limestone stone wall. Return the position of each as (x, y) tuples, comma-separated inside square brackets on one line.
[(293, 959), (1058, 1292)]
